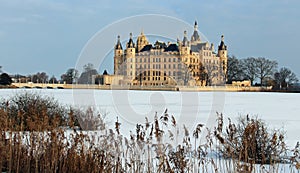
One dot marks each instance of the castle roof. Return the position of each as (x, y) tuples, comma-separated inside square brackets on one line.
[(195, 36), (130, 43), (185, 40), (161, 45), (222, 45), (141, 38), (172, 48), (147, 48), (118, 45), (198, 47)]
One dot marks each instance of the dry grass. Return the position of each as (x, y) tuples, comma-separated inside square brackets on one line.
[(38, 135)]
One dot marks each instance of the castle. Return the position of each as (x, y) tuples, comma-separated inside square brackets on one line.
[(187, 62)]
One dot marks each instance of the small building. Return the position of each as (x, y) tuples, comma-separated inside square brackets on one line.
[(107, 79), (244, 83)]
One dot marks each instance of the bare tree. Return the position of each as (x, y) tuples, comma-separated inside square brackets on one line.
[(234, 69), (265, 68), (212, 73), (40, 77), (5, 79), (285, 77), (70, 76), (53, 79), (202, 74), (249, 68)]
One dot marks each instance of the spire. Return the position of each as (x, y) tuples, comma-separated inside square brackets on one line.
[(130, 43), (118, 45), (212, 47), (222, 45), (195, 37), (185, 40), (195, 26)]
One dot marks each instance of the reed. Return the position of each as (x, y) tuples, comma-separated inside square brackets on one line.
[(37, 134)]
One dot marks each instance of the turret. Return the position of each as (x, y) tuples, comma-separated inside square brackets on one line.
[(195, 38), (212, 47), (185, 45), (222, 53), (130, 57), (185, 48), (118, 57), (141, 42), (185, 41)]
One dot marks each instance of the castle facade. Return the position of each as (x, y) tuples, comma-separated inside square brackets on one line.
[(186, 62)]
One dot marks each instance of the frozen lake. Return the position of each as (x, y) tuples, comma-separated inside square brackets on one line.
[(190, 108)]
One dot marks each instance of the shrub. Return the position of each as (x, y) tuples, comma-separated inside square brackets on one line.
[(251, 141), (32, 112)]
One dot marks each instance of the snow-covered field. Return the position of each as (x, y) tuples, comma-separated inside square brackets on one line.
[(190, 108)]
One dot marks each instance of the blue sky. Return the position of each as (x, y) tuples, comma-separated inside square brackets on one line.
[(48, 35)]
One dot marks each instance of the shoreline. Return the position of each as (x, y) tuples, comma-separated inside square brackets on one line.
[(226, 88)]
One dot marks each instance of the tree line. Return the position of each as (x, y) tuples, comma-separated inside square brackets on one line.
[(71, 76), (262, 71)]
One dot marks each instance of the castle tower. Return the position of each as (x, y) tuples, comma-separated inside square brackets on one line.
[(222, 53), (141, 42), (212, 47), (184, 50), (130, 58), (185, 45), (118, 56), (195, 38), (185, 41)]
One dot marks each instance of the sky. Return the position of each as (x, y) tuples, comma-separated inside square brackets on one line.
[(49, 35)]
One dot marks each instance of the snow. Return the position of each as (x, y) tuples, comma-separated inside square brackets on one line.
[(189, 108)]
